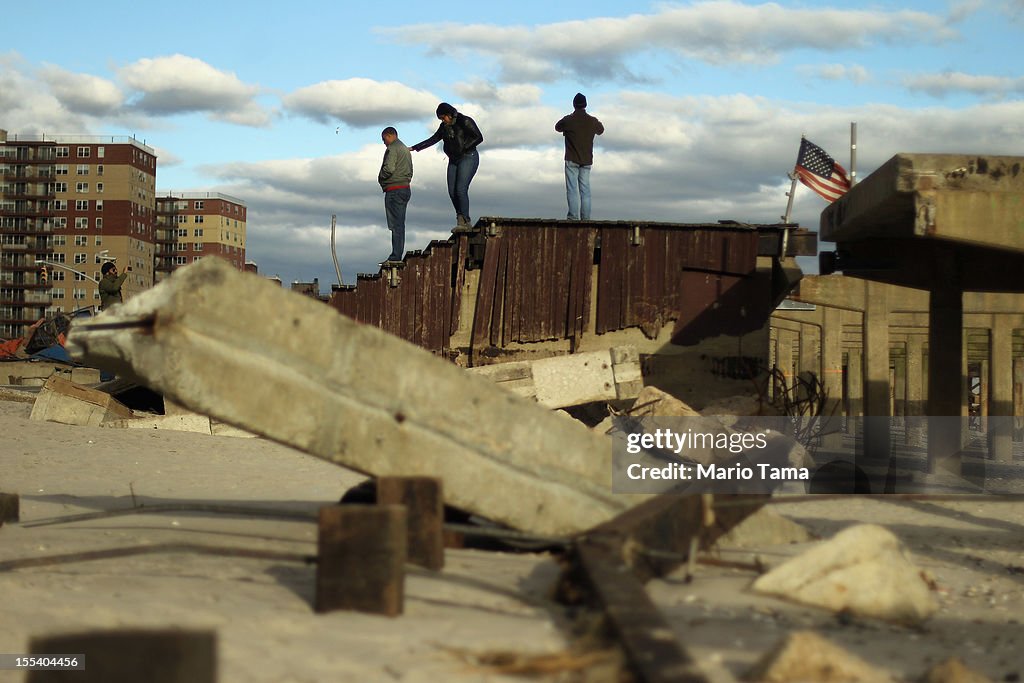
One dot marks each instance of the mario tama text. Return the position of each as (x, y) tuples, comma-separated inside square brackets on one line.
[(701, 454)]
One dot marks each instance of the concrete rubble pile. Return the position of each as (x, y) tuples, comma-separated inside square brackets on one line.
[(235, 347)]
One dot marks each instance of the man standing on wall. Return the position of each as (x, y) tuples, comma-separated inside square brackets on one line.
[(579, 129), (395, 178)]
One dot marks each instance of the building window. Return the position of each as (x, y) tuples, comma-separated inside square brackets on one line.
[(99, 226), (57, 275), (60, 205), (78, 293), (81, 187), (180, 260), (99, 187), (198, 232), (60, 222), (99, 204), (196, 258), (61, 169), (83, 152), (81, 223), (100, 151), (81, 240), (83, 169), (181, 232), (80, 257), (59, 240), (197, 246), (198, 219), (198, 205), (59, 187), (99, 240), (79, 277), (62, 152), (81, 205), (57, 293), (99, 169)]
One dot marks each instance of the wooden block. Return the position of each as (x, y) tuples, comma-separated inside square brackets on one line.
[(424, 503), (9, 508), (361, 559), (130, 656), (62, 401)]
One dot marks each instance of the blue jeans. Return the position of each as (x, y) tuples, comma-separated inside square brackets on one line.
[(395, 203), (577, 190), (460, 175)]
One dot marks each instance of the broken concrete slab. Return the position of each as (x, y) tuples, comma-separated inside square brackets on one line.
[(863, 569), (234, 346), (763, 528), (68, 403), (953, 670), (34, 373), (178, 423), (807, 657), (575, 379)]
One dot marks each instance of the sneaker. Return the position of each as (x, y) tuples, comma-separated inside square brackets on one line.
[(462, 221)]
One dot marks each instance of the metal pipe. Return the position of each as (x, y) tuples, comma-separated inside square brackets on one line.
[(334, 253)]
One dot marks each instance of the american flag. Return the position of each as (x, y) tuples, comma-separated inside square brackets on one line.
[(820, 172)]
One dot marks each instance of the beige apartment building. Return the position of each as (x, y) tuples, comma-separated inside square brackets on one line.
[(191, 225), (68, 203)]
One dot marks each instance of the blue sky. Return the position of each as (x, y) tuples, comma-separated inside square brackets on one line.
[(703, 102)]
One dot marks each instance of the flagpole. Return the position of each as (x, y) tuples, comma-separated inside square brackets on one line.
[(853, 153), (792, 191)]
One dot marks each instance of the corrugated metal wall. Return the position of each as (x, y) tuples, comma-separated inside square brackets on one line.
[(536, 283)]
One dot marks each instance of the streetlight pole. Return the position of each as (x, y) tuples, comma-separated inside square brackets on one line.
[(63, 267)]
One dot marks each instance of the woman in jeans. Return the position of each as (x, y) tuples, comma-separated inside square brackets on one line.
[(461, 137)]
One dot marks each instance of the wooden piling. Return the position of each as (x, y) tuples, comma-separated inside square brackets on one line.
[(361, 559), (424, 503)]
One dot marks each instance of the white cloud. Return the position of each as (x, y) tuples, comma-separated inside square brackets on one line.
[(940, 85), (361, 102), (854, 73), (179, 84), (83, 93), (715, 32)]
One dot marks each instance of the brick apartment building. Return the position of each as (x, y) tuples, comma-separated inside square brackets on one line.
[(70, 202), (190, 225)]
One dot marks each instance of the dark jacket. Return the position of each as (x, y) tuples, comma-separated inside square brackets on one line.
[(110, 289), (460, 138), (579, 129)]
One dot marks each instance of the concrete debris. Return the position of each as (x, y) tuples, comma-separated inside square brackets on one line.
[(806, 657), (237, 348), (764, 528), (953, 671), (34, 373), (863, 570), (561, 381), (62, 401), (178, 423)]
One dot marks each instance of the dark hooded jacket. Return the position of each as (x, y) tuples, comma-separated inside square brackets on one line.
[(460, 138)]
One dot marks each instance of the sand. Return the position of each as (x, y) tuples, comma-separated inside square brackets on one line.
[(482, 601)]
